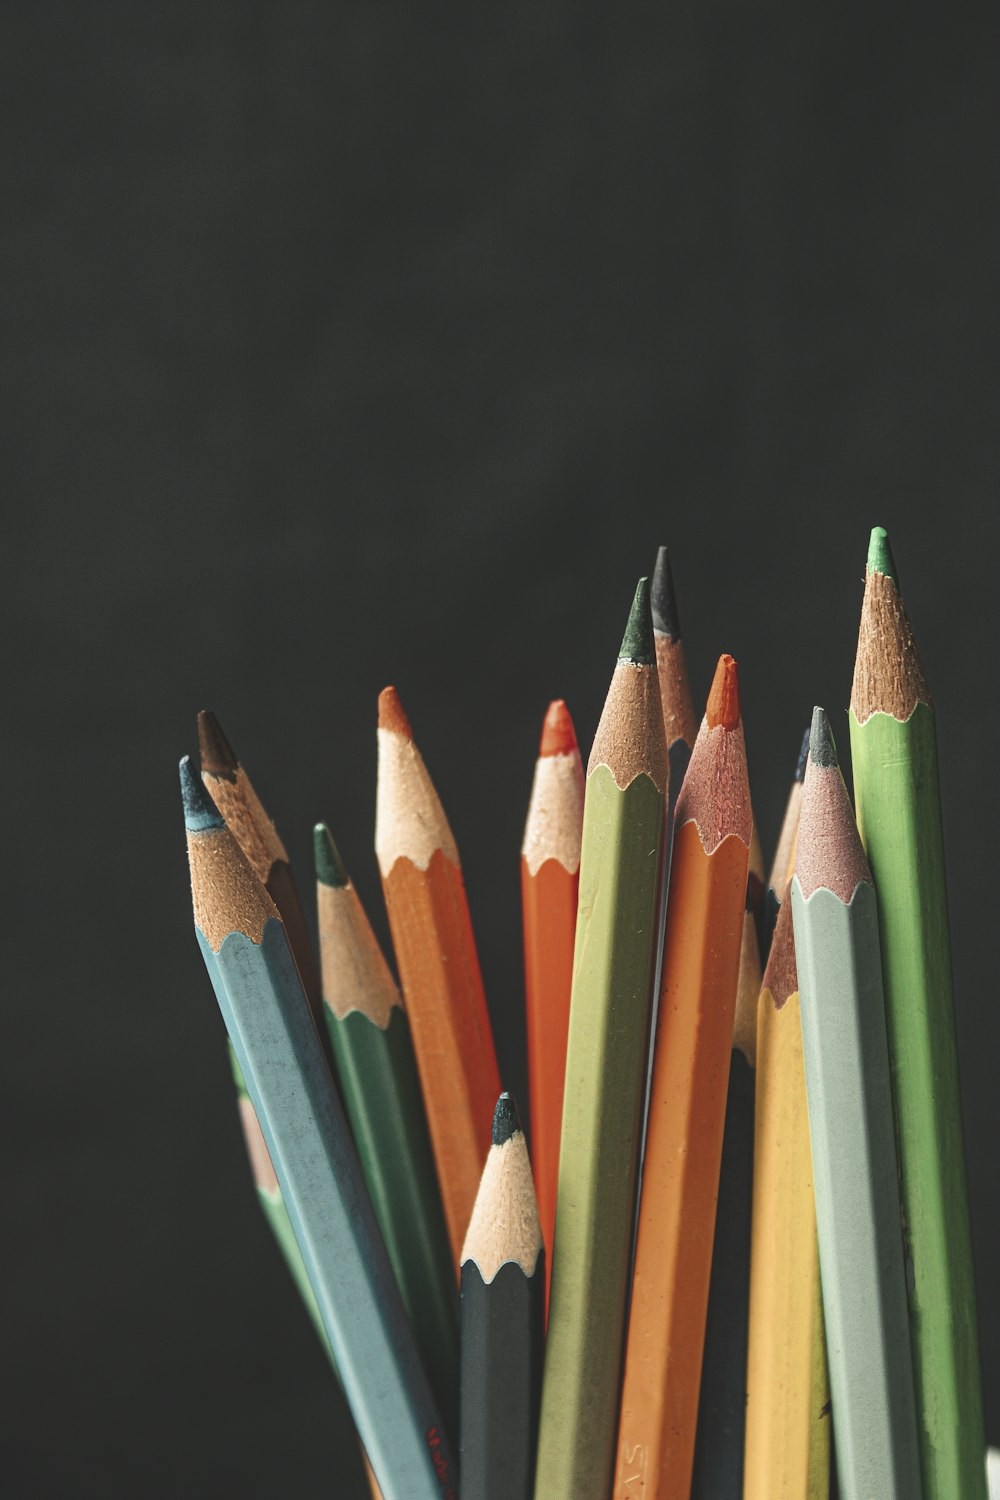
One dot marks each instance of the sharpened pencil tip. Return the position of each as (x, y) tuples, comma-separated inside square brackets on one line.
[(723, 706), (822, 749), (329, 865), (217, 755), (663, 600), (392, 714), (637, 642), (880, 559), (506, 1120), (558, 734), (200, 812), (800, 765)]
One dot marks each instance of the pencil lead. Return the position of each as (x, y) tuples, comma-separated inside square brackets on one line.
[(723, 705), (637, 642), (800, 765), (329, 865), (506, 1120), (392, 714), (880, 559), (558, 734), (217, 755), (200, 812), (822, 749), (663, 600)]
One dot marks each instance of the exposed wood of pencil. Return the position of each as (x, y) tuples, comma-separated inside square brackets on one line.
[(858, 1209), (620, 867), (259, 991), (234, 795), (705, 907), (374, 1057), (438, 966), (503, 1321), (784, 850), (894, 753), (787, 1450), (550, 883)]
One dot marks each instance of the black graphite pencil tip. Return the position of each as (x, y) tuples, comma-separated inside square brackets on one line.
[(800, 764), (329, 865), (506, 1120), (662, 598), (637, 642), (217, 757), (200, 812), (822, 750)]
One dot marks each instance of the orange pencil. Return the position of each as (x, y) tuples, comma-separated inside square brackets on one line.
[(438, 966), (550, 882), (694, 1037)]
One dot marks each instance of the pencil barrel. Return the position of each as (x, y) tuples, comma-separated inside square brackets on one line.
[(502, 1326)]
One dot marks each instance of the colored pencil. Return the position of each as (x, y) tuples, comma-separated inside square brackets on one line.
[(691, 1056), (259, 991), (718, 1452), (680, 723), (381, 1092), (550, 883), (787, 1450), (620, 864), (894, 752), (503, 1321), (438, 965), (233, 793), (785, 848), (858, 1210)]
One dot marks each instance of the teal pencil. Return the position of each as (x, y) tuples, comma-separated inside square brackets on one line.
[(260, 994)]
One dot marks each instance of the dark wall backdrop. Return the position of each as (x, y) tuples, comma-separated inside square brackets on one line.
[(378, 342)]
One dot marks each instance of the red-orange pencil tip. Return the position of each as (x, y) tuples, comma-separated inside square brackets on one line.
[(392, 714), (558, 734), (723, 706)]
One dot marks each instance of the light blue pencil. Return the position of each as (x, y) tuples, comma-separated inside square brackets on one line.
[(260, 994)]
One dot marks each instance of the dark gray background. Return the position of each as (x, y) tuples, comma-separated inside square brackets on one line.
[(381, 342)]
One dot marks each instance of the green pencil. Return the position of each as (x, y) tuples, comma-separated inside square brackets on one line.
[(896, 792), (370, 1034), (858, 1211), (615, 951)]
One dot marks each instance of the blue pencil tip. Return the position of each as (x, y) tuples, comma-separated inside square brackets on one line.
[(200, 812)]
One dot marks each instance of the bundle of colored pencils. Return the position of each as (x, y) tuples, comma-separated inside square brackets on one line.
[(739, 1244)]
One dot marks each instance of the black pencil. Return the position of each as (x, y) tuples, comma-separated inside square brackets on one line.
[(503, 1318)]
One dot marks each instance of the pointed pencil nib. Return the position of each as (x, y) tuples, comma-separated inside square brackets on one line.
[(217, 755), (329, 865), (822, 750), (723, 706), (637, 642), (800, 765), (662, 598), (506, 1120), (558, 734), (200, 812), (880, 559), (392, 714)]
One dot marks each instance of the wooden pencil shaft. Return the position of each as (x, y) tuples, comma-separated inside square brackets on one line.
[(857, 1194), (502, 1331)]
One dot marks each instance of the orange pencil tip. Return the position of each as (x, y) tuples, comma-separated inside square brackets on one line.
[(392, 714), (558, 734), (723, 706)]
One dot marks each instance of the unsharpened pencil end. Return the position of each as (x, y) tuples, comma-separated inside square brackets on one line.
[(800, 765), (637, 642), (558, 734), (217, 756), (822, 749), (723, 706), (506, 1120), (663, 600), (880, 559), (329, 865), (392, 714), (200, 812)]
